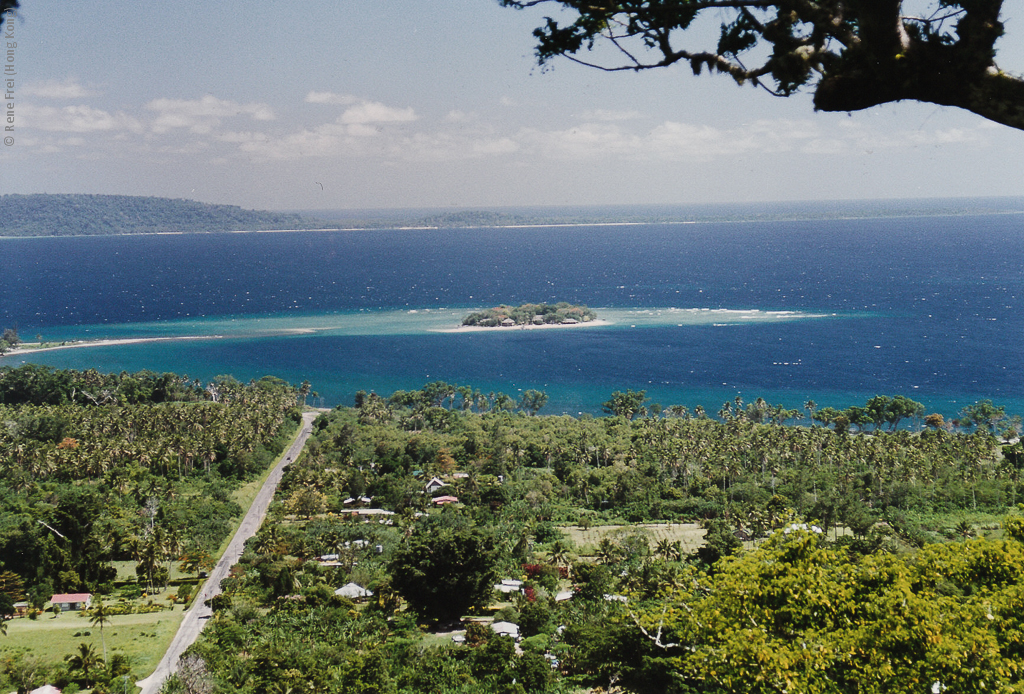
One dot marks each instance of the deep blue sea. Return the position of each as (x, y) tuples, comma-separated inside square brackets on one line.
[(834, 310)]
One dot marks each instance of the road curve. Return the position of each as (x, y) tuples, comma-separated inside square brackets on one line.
[(195, 619)]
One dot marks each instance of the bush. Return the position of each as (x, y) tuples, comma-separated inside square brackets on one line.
[(533, 672), (537, 643), (535, 618), (507, 614), (184, 593), (548, 532)]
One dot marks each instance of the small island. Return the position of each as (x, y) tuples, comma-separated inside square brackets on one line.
[(503, 316)]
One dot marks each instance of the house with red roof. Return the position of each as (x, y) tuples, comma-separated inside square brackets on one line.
[(72, 601)]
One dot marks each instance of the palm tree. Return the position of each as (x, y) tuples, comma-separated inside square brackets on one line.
[(670, 551), (85, 660), (100, 616), (560, 554), (608, 552)]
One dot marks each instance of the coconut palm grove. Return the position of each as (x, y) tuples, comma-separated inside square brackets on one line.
[(449, 540)]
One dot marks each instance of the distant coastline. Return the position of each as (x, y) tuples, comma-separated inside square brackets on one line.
[(58, 215)]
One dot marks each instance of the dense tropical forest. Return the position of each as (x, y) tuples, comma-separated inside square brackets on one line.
[(651, 550), (44, 214), (104, 469), (816, 560), (531, 314)]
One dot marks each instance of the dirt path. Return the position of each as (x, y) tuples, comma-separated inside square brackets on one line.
[(195, 618)]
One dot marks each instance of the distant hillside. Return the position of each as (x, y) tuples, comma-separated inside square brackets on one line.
[(91, 215), (473, 218)]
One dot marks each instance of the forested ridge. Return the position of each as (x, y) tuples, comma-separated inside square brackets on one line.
[(91, 215), (81, 215), (653, 550)]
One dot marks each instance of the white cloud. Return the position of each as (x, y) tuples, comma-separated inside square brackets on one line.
[(330, 98), (586, 141), (374, 131), (201, 116), (54, 89), (500, 146), (375, 112), (75, 119), (668, 141), (601, 114)]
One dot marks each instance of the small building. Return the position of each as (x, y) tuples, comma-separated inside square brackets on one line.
[(507, 323), (72, 601), (509, 585), (45, 689), (506, 629), (368, 512), (353, 591), (442, 500), (433, 485)]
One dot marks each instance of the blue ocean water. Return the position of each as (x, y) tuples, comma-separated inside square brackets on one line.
[(834, 310)]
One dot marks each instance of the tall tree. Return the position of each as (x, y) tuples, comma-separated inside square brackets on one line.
[(628, 404), (533, 401), (853, 54), (100, 616), (86, 660), (444, 573)]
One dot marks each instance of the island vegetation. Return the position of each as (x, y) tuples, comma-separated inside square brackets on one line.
[(83, 215), (90, 215), (562, 313), (656, 549)]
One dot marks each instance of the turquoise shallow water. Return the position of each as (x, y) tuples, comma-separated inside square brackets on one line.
[(830, 310)]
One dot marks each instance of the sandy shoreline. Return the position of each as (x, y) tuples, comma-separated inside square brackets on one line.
[(74, 344), (528, 326), (31, 348)]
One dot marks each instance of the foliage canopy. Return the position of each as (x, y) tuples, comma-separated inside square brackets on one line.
[(853, 55)]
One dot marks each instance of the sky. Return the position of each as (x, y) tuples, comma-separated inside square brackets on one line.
[(374, 104)]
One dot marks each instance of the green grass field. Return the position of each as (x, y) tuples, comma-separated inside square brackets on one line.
[(690, 535), (142, 637)]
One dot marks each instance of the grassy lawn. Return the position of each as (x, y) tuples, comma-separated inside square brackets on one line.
[(690, 535), (143, 637)]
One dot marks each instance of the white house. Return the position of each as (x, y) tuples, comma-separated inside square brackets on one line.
[(72, 601), (353, 591), (433, 485), (509, 585), (506, 629)]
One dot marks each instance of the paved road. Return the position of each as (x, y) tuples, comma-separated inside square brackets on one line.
[(195, 619)]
